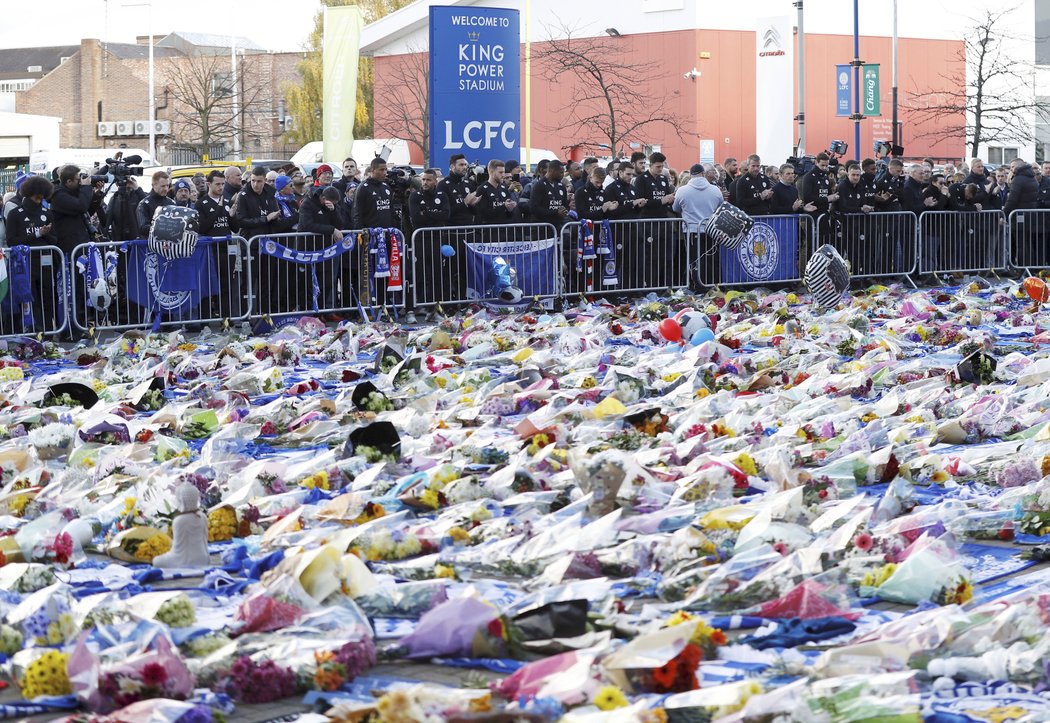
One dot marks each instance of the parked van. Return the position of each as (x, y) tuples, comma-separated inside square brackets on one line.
[(363, 152), (45, 162)]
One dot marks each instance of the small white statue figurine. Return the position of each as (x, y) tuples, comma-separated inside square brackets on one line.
[(189, 547)]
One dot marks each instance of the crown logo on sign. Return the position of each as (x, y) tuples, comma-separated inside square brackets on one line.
[(473, 36)]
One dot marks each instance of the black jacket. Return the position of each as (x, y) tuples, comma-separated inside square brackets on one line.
[(623, 193), (428, 209), (911, 196), (547, 198), (589, 202), (214, 216), (957, 198), (490, 208), (817, 185), (25, 222), (997, 196), (652, 189), (851, 197), (749, 191), (252, 210), (456, 188), (228, 191), (315, 217), (147, 208), (372, 206), (943, 200), (783, 201), (1024, 189), (70, 211), (894, 185)]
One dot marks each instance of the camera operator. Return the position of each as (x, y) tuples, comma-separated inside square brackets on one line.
[(122, 210), (31, 224), (457, 188), (754, 190), (158, 196), (494, 204), (72, 205)]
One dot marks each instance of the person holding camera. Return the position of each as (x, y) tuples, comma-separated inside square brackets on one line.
[(72, 205)]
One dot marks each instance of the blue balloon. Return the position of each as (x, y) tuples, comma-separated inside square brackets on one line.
[(700, 336), (447, 251)]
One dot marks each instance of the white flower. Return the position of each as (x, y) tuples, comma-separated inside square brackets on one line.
[(129, 685), (55, 434)]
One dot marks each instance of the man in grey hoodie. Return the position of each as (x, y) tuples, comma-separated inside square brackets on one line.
[(696, 201)]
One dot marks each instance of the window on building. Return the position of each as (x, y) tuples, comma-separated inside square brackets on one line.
[(1042, 32), (999, 155), (222, 84), (13, 86)]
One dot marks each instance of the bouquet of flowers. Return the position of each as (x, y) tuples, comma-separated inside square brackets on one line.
[(52, 440), (46, 674), (338, 667), (177, 612), (222, 524), (155, 673), (1035, 510), (139, 544), (249, 681)]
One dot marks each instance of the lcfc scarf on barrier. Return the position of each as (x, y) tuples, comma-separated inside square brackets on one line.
[(309, 258), (22, 284), (585, 244), (395, 262), (91, 266), (377, 246), (608, 250)]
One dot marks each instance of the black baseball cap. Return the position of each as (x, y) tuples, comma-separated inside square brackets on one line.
[(696, 169)]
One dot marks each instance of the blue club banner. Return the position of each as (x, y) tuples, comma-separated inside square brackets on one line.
[(172, 288), (768, 253), (843, 89), (475, 79), (511, 273)]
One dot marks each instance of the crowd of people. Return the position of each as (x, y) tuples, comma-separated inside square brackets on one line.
[(72, 209)]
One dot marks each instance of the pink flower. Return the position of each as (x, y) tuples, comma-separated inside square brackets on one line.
[(863, 542), (781, 548)]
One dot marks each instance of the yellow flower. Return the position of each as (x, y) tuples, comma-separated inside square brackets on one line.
[(792, 298), (186, 347), (610, 698), (430, 499), (129, 505), (588, 382), (745, 462), (158, 544), (441, 382), (671, 377), (869, 417), (446, 571), (702, 392), (222, 524), (964, 593), (47, 675), (18, 505), (458, 534), (318, 480)]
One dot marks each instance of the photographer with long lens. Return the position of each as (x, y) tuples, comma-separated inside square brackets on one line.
[(75, 200)]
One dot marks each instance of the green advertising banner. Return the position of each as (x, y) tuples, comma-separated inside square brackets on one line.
[(870, 90)]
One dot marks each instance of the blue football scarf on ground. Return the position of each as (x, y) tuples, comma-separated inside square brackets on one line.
[(793, 632), (22, 283), (607, 249)]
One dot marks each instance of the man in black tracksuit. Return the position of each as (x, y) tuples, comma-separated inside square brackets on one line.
[(30, 224), (459, 192), (628, 207), (373, 208), (213, 210), (549, 201), (435, 277), (494, 205), (754, 189), (591, 202), (255, 215), (661, 262), (851, 209), (818, 189)]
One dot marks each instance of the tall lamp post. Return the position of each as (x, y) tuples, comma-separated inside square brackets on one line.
[(152, 100)]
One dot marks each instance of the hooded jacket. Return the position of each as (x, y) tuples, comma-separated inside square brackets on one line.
[(1024, 189), (696, 201)]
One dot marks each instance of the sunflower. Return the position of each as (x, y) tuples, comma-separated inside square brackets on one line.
[(610, 698)]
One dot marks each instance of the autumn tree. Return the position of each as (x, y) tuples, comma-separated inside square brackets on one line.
[(610, 104), (306, 99), (207, 108), (988, 98)]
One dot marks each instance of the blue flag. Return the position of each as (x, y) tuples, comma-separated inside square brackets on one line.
[(172, 288), (531, 266), (768, 253)]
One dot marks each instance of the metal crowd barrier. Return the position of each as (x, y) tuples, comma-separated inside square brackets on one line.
[(454, 265), (36, 308), (877, 244), (1029, 239), (962, 241), (314, 274), (648, 254), (774, 252), (119, 285)]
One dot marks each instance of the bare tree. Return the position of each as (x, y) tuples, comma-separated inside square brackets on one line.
[(404, 92), (983, 100), (606, 81), (204, 109)]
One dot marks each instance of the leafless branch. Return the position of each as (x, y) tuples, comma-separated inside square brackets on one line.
[(404, 92)]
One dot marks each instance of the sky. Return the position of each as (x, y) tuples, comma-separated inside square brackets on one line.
[(273, 24)]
